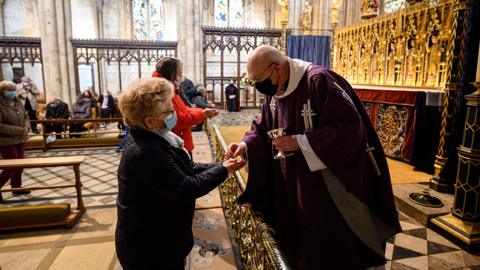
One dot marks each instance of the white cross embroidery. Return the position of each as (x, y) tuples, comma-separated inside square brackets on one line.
[(307, 114)]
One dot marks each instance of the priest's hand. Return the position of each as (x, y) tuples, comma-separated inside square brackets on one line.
[(286, 143), (235, 149)]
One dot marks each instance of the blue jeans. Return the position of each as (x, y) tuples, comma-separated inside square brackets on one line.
[(124, 139)]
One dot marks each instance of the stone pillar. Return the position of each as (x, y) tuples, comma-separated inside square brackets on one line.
[(295, 10), (443, 179), (127, 19), (56, 31), (189, 38), (2, 19)]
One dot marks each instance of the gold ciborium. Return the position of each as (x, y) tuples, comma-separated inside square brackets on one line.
[(276, 134)]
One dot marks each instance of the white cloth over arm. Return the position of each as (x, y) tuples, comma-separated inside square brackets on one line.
[(313, 162)]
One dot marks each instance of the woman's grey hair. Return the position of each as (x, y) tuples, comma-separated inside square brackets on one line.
[(201, 90), (7, 86), (145, 98), (26, 79)]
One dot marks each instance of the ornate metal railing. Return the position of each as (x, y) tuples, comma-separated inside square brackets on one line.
[(258, 249), (407, 48)]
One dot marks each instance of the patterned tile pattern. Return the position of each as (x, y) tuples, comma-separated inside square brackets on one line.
[(242, 118), (418, 247)]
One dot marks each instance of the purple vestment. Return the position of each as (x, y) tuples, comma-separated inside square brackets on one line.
[(338, 221)]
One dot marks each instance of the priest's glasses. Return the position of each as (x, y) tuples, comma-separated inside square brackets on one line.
[(276, 134)]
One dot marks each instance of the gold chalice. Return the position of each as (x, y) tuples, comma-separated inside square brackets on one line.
[(276, 134)]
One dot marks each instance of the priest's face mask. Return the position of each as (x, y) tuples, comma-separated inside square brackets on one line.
[(265, 85)]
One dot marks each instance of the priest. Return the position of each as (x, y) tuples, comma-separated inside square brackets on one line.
[(329, 199)]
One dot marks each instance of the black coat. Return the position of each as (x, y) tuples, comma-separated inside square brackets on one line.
[(158, 185), (59, 112)]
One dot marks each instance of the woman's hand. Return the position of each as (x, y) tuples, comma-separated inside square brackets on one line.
[(233, 165), (210, 113)]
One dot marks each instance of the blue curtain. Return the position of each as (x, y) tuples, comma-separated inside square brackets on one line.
[(315, 49)]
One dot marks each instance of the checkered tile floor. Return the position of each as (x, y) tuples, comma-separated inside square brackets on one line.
[(98, 175), (242, 118), (418, 247)]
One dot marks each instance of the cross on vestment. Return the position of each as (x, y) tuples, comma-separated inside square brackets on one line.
[(307, 114), (369, 149), (372, 158)]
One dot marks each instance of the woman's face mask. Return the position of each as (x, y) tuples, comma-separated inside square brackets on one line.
[(10, 95), (180, 78), (170, 121)]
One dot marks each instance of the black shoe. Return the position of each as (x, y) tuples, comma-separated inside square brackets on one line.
[(18, 193), (1, 198)]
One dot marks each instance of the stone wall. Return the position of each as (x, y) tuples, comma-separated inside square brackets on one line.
[(56, 21)]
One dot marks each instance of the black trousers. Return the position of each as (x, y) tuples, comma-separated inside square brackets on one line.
[(32, 114)]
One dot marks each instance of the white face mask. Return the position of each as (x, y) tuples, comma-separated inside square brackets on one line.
[(180, 78)]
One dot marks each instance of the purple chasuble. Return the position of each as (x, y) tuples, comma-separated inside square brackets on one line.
[(317, 226)]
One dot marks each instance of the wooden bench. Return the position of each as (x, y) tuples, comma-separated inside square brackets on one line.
[(72, 216)]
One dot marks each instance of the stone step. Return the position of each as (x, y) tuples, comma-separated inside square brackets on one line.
[(418, 212)]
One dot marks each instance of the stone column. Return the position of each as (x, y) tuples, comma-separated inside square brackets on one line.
[(56, 30), (189, 38), (295, 10), (127, 19), (2, 19)]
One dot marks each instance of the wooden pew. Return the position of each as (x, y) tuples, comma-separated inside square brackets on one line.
[(72, 216)]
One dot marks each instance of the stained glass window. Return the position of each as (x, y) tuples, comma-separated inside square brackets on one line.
[(228, 13), (148, 19), (393, 5)]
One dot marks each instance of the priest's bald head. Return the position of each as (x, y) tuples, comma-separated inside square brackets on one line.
[(269, 69)]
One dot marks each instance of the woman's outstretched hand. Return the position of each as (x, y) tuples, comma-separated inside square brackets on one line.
[(233, 165)]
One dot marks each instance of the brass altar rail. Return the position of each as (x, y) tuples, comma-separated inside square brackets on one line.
[(258, 249), (406, 48)]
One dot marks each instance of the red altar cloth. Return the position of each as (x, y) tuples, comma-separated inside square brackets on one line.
[(392, 113)]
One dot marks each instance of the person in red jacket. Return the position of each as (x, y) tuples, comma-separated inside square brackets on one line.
[(171, 69)]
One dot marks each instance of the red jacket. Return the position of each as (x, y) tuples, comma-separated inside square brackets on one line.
[(186, 118)]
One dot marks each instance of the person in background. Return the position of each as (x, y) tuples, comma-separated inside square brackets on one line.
[(107, 105), (81, 110), (14, 127), (156, 175), (56, 109), (188, 90), (171, 69), (199, 101), (89, 94), (231, 94), (28, 94)]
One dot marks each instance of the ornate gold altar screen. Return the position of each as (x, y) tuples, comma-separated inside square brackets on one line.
[(409, 48)]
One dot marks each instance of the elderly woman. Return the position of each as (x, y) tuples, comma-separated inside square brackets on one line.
[(157, 181), (14, 127)]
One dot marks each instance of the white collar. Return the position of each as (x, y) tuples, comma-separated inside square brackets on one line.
[(297, 70)]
